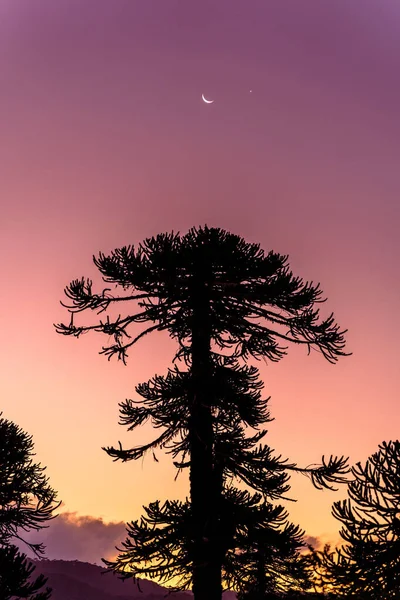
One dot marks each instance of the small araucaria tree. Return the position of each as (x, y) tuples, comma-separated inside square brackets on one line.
[(216, 295), (26, 502), (368, 564)]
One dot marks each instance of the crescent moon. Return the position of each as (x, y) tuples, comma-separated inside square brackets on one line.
[(205, 100)]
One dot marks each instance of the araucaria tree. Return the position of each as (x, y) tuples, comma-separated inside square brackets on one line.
[(217, 296), (26, 502), (368, 563)]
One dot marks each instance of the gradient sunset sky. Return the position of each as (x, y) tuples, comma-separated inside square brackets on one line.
[(104, 140)]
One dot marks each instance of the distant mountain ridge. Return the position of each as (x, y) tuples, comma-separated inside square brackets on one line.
[(76, 580)]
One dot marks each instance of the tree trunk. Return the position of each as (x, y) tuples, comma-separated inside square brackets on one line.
[(206, 559)]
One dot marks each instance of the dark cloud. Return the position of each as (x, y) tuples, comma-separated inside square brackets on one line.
[(318, 542), (85, 538), (313, 541)]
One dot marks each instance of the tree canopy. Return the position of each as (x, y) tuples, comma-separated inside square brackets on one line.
[(254, 301), (367, 565), (27, 502)]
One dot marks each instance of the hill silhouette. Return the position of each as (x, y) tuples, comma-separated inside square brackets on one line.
[(76, 580)]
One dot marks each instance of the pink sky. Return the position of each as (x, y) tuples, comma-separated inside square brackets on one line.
[(105, 141)]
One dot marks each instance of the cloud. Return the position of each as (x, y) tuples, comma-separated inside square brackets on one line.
[(89, 539), (73, 537), (313, 541), (318, 542)]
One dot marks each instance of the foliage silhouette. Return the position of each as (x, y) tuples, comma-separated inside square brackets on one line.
[(368, 563), (159, 544), (320, 576), (26, 502), (217, 296), (16, 579), (267, 559)]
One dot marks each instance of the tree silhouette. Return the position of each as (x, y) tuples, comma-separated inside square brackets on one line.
[(16, 579), (216, 295), (320, 576), (160, 544), (268, 560), (255, 533), (265, 556), (26, 502), (368, 563)]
